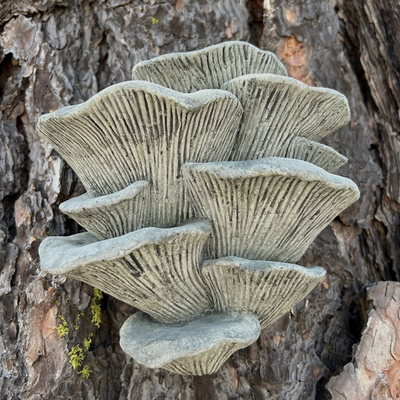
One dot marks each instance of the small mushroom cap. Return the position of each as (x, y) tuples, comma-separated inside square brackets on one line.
[(153, 344)]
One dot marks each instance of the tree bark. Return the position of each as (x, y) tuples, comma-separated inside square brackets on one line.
[(376, 370), (56, 52)]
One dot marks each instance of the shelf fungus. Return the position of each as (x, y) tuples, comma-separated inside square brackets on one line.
[(267, 209), (208, 68), (205, 183), (111, 215), (266, 289), (195, 347), (136, 131), (315, 153), (278, 108), (153, 269)]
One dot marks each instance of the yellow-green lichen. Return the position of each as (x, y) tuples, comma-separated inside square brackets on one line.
[(154, 21), (76, 356), (95, 307), (96, 314), (80, 351), (85, 372), (77, 319), (62, 329), (87, 342), (97, 294)]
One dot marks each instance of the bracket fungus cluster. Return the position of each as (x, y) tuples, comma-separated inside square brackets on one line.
[(205, 184)]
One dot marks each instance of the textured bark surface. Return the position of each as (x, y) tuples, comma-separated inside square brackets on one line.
[(375, 373), (55, 53)]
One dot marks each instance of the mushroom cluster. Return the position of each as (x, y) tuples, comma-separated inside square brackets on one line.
[(205, 185)]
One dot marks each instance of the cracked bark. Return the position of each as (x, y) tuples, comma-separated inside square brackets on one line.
[(56, 52), (376, 370)]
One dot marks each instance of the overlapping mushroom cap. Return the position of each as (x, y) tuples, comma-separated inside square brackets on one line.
[(195, 347), (221, 135), (208, 68), (136, 131), (142, 131)]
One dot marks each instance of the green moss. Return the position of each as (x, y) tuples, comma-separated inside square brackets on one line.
[(95, 307), (76, 356), (62, 329), (85, 372), (97, 294), (96, 314), (80, 351), (87, 342), (77, 319)]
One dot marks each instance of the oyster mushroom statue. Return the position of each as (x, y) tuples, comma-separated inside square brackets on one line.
[(205, 184)]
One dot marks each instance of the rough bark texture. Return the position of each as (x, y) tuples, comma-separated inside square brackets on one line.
[(375, 373), (57, 52)]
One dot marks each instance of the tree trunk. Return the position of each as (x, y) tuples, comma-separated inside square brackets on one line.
[(57, 52), (375, 373)]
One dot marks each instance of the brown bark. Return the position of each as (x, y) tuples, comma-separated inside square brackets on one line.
[(55, 53), (375, 373)]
